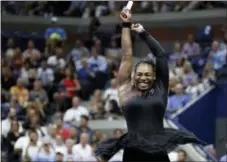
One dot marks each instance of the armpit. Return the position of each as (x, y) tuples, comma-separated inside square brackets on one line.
[(125, 93)]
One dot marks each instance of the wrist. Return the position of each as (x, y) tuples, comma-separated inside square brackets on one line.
[(126, 25), (142, 33)]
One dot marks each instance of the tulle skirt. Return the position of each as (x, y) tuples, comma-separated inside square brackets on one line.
[(163, 141)]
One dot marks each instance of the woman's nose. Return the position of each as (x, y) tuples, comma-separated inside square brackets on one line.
[(143, 77)]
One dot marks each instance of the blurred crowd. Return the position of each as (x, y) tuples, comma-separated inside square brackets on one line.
[(49, 94), (86, 9)]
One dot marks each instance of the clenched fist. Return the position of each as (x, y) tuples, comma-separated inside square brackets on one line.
[(137, 28)]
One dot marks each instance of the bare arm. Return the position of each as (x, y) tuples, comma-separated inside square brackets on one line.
[(125, 69)]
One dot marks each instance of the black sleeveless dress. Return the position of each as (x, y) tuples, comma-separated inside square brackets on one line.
[(147, 139)]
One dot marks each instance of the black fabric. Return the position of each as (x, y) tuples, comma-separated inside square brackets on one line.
[(144, 117), (126, 25), (131, 154)]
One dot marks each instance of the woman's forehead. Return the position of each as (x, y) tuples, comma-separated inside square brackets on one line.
[(144, 68)]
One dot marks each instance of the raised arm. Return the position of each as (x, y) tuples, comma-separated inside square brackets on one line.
[(125, 69), (162, 70)]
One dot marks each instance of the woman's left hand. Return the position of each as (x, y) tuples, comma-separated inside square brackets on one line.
[(137, 28)]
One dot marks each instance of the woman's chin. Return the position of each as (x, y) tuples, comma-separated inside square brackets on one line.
[(143, 88)]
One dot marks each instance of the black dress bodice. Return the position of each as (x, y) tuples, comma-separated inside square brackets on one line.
[(144, 114)]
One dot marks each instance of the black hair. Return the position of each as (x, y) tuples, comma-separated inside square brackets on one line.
[(85, 117), (147, 61), (32, 130)]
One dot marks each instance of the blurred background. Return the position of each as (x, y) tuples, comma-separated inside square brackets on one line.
[(59, 60)]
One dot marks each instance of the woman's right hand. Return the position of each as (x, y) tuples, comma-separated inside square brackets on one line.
[(125, 15)]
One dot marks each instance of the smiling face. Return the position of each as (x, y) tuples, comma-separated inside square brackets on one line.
[(144, 77)]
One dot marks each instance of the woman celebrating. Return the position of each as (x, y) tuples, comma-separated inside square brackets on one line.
[(143, 93)]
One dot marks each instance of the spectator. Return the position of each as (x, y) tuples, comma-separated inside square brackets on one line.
[(7, 81), (83, 148), (211, 150), (38, 94), (29, 145), (74, 113), (97, 137), (74, 134), (86, 78), (8, 122), (69, 154), (59, 155), (195, 88), (71, 83), (113, 51), (97, 62), (111, 94), (111, 91), (62, 129), (182, 155), (98, 47), (17, 60), (61, 98), (177, 54), (27, 72), (12, 137), (173, 81), (34, 120), (31, 52), (84, 128), (178, 100), (78, 51), (208, 74), (188, 74), (56, 60), (19, 92), (191, 48), (59, 144), (54, 31), (217, 55), (176, 69), (118, 133), (52, 133), (95, 101), (45, 74), (10, 49), (45, 153)]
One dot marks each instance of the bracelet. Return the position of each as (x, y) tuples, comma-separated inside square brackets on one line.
[(126, 24)]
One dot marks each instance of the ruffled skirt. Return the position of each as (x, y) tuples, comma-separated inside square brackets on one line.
[(164, 141)]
